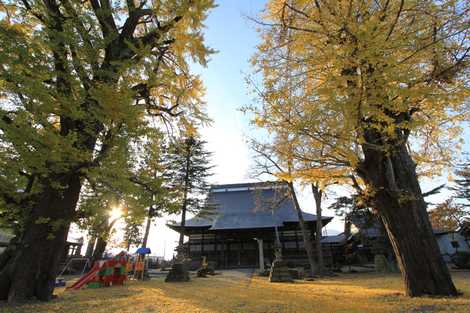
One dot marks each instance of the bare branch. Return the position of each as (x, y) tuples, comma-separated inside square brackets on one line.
[(433, 191), (402, 2)]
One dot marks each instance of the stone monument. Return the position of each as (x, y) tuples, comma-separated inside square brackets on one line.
[(279, 271), (178, 271)]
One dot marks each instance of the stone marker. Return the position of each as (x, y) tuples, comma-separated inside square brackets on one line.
[(178, 273), (279, 272)]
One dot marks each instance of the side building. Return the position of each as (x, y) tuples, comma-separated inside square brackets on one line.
[(241, 229), (5, 237)]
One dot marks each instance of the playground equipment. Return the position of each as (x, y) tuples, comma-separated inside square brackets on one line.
[(73, 265), (141, 264), (84, 263), (105, 273)]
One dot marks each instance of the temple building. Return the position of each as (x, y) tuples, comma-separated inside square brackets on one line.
[(241, 229)]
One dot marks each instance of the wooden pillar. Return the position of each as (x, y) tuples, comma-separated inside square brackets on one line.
[(189, 246), (240, 250), (216, 252), (281, 239), (78, 251), (261, 254), (227, 254), (224, 252), (202, 243), (297, 240)]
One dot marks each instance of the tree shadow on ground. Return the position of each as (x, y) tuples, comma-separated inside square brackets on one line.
[(75, 300)]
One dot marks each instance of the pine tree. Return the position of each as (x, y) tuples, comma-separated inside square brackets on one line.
[(462, 184), (188, 165)]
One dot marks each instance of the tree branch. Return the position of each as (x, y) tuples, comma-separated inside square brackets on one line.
[(402, 2), (133, 20), (433, 191), (104, 14)]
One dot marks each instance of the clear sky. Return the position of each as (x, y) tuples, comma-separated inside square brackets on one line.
[(234, 36)]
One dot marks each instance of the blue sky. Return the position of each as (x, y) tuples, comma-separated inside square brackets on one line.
[(229, 32), (234, 36)]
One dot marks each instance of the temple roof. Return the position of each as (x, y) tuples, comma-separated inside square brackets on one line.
[(248, 206), (334, 239)]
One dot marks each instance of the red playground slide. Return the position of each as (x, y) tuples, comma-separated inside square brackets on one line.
[(88, 276)]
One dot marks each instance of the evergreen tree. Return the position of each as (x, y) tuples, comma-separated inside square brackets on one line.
[(462, 184), (188, 168)]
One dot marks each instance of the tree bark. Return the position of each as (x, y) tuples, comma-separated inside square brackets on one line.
[(317, 194), (147, 227), (183, 221), (306, 238), (102, 240), (90, 247), (101, 244), (391, 175), (32, 269), (185, 195)]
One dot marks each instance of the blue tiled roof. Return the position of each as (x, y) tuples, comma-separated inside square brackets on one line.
[(248, 206), (339, 238)]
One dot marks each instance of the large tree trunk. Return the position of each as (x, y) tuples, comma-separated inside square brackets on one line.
[(317, 194), (32, 268), (306, 237), (397, 195)]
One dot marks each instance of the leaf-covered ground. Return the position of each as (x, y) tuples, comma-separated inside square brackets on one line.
[(237, 292)]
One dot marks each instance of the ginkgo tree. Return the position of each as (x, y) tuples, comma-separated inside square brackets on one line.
[(269, 160), (381, 85), (79, 81), (284, 157)]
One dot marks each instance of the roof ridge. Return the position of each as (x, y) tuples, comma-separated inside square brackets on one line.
[(255, 185)]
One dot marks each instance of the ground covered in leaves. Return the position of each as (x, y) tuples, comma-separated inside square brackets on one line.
[(241, 292)]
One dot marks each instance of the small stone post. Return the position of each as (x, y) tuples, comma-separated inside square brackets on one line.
[(279, 271)]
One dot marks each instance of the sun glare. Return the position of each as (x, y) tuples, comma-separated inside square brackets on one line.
[(116, 212)]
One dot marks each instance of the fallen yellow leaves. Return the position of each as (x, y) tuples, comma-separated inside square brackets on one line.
[(237, 292)]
